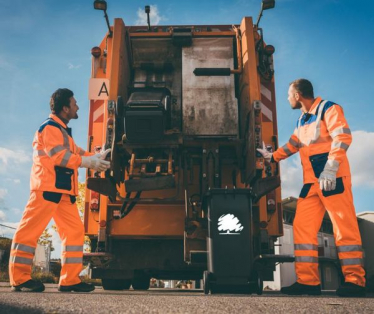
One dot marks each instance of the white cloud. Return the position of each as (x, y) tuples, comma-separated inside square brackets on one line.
[(72, 66), (3, 193), (15, 181), (7, 155), (8, 232), (360, 155), (15, 211), (154, 16), (9, 158), (291, 177), (2, 215)]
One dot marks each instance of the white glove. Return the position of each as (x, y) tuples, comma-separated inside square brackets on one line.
[(327, 179), (104, 153), (95, 162), (265, 153)]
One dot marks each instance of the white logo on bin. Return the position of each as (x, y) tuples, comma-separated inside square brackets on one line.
[(229, 224)]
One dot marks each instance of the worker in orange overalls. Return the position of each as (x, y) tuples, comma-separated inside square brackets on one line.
[(54, 186), (322, 137)]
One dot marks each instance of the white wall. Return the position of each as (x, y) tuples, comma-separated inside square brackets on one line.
[(366, 225)]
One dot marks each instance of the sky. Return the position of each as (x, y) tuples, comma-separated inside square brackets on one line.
[(45, 45)]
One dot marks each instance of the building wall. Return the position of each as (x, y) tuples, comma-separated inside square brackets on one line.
[(42, 257), (287, 270), (366, 225)]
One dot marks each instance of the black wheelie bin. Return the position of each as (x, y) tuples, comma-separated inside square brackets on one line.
[(230, 243)]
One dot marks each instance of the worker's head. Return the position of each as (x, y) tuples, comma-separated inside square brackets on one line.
[(64, 104), (300, 90)]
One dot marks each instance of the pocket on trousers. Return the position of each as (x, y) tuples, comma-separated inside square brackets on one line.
[(72, 199), (63, 178), (52, 197), (305, 190), (338, 190), (318, 163)]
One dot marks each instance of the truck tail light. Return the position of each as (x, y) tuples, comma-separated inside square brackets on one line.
[(94, 202), (271, 205), (96, 52), (269, 50)]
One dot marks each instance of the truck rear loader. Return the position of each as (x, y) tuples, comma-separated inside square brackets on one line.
[(183, 109)]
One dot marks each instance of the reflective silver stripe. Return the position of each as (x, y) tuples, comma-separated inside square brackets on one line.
[(72, 260), (23, 248), (349, 248), (37, 152), (317, 131), (81, 152), (351, 261), (340, 145), (340, 131), (306, 247), (73, 248), (21, 260), (287, 150), (65, 159), (66, 138), (293, 142), (55, 150), (306, 259)]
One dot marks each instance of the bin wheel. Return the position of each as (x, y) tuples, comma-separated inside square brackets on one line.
[(141, 282), (206, 282), (259, 283)]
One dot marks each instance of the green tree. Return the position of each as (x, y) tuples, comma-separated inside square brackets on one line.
[(46, 239), (81, 204)]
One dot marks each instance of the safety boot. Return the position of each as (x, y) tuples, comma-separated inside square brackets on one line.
[(29, 286), (300, 289), (79, 287), (349, 289)]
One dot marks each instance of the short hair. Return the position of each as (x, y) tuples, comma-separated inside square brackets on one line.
[(304, 87), (59, 99)]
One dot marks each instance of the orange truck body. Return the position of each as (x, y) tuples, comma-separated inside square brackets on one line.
[(164, 234)]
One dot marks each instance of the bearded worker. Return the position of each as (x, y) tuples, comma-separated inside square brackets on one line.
[(54, 187), (322, 137)]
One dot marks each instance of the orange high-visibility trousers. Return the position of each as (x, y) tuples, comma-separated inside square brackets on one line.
[(310, 210), (38, 213)]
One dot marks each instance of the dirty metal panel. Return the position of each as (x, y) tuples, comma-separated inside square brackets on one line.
[(209, 103), (164, 70)]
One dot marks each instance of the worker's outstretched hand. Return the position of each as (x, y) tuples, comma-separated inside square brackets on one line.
[(95, 162), (265, 153), (104, 153), (327, 179)]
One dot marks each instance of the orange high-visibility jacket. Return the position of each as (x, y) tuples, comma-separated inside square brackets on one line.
[(322, 135), (56, 158)]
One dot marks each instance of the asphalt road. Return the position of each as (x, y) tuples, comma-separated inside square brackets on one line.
[(174, 301)]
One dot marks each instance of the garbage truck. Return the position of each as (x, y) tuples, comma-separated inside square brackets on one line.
[(183, 109)]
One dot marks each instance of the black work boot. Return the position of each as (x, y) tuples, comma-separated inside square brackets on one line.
[(29, 286), (79, 287), (349, 289), (300, 289)]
